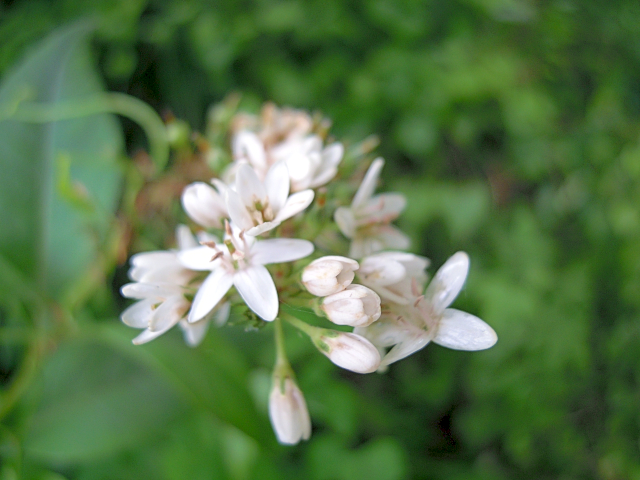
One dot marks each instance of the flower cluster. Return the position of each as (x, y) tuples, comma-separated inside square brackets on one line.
[(261, 221)]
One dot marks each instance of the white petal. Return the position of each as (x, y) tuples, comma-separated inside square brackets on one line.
[(294, 204), (238, 211), (447, 282), (146, 336), (256, 287), (262, 228), (139, 314), (148, 290), (463, 331), (381, 271), (184, 238), (249, 187), (203, 204), (247, 145), (391, 237), (168, 313), (199, 258), (368, 185), (214, 287), (194, 332), (153, 259), (279, 250), (408, 346), (277, 184), (346, 223)]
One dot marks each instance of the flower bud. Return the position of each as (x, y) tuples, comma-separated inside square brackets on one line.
[(329, 275), (356, 306), (349, 351), (288, 412)]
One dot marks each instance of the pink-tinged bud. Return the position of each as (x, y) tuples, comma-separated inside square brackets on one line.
[(329, 275), (288, 412), (356, 306), (349, 351)]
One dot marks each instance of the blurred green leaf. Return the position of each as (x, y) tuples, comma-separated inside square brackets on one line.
[(60, 182), (96, 402), (213, 376)]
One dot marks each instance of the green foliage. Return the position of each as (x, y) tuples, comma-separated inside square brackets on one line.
[(512, 128)]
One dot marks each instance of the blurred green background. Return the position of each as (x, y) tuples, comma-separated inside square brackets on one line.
[(510, 125)]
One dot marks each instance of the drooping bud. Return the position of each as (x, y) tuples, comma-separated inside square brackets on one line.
[(288, 411), (349, 351), (329, 275), (356, 306)]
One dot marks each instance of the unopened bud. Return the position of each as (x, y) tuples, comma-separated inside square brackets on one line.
[(288, 412), (329, 275), (357, 306), (349, 351)]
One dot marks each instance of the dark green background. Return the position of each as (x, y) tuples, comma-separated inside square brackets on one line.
[(512, 128)]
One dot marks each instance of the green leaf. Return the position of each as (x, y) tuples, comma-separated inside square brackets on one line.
[(214, 376), (60, 182), (96, 402)]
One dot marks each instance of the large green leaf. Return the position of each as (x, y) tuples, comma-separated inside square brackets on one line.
[(95, 401), (213, 376), (59, 182)]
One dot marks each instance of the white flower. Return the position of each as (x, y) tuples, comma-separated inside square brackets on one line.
[(240, 261), (367, 221), (409, 328), (348, 350), (204, 204), (160, 287), (356, 306), (258, 207), (327, 275), (288, 412), (310, 166), (391, 275)]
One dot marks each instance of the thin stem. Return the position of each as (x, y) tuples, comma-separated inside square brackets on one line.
[(281, 355), (300, 325), (109, 102)]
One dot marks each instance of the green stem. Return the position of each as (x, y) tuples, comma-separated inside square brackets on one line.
[(302, 326), (109, 102), (282, 362)]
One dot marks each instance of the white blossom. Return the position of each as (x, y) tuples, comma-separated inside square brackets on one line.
[(309, 163), (288, 412), (367, 221), (160, 287), (356, 306), (391, 275), (240, 261), (327, 275), (256, 206), (410, 327)]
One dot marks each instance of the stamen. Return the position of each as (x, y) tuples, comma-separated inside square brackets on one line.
[(216, 256), (209, 244), (418, 300)]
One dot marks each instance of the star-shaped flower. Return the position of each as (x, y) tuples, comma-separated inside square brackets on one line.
[(257, 206), (367, 221), (409, 328), (240, 261)]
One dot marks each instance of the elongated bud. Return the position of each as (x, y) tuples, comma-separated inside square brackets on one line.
[(357, 306), (329, 275), (349, 351), (288, 411)]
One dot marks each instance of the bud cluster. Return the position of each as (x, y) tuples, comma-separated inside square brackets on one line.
[(279, 202)]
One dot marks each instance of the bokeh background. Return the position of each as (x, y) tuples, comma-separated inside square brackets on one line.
[(510, 125)]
